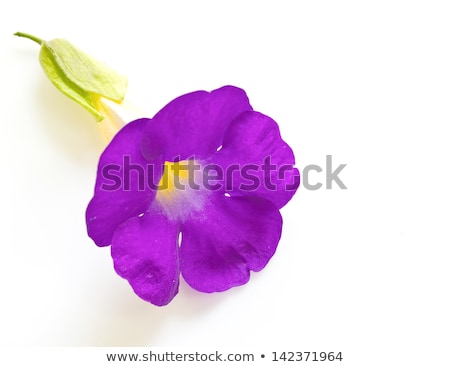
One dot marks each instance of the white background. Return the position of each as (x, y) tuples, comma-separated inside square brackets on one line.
[(364, 271)]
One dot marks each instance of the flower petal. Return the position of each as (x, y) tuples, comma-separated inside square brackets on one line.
[(234, 236), (193, 124), (121, 190), (266, 163), (145, 252)]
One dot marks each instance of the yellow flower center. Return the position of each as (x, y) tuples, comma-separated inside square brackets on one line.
[(179, 194), (175, 178)]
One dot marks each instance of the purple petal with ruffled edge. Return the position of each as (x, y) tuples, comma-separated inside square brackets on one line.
[(253, 142), (235, 235), (145, 252), (193, 124), (113, 202)]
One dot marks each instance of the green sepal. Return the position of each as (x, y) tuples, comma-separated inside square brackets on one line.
[(65, 85), (78, 75)]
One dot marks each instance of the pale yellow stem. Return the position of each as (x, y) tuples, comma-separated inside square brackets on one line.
[(116, 115)]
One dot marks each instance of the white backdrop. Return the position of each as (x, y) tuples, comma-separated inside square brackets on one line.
[(363, 271)]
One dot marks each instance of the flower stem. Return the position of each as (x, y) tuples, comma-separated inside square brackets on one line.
[(29, 36)]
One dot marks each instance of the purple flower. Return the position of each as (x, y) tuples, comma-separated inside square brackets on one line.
[(212, 223)]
